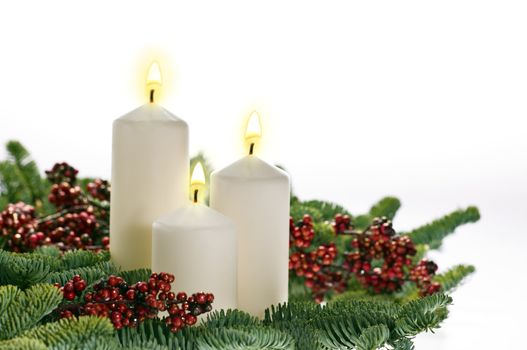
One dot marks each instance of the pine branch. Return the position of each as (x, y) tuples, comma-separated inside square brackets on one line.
[(134, 276), (229, 319), (323, 210), (248, 338), (11, 190), (22, 310), (387, 206), (433, 233), (22, 343), (373, 337), (452, 278), (82, 333), (403, 344), (90, 274), (27, 171), (26, 269), (422, 315)]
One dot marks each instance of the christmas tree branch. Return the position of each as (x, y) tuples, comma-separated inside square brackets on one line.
[(26, 172), (387, 207), (82, 333), (22, 310), (452, 278), (434, 232), (25, 270)]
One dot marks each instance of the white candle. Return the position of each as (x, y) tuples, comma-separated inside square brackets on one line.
[(150, 166), (198, 246), (255, 195)]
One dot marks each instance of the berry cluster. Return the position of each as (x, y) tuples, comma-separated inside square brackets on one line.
[(99, 189), (380, 244), (72, 289), (302, 234), (379, 259), (75, 229), (81, 219), (318, 270), (64, 195), (62, 172), (422, 275), (184, 310), (128, 305), (18, 225), (341, 224)]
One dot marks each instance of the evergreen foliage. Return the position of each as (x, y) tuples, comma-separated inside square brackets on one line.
[(434, 232), (44, 266), (355, 319), (454, 277), (387, 207), (89, 333), (21, 310), (20, 178)]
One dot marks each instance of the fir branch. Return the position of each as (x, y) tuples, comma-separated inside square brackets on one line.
[(27, 269), (403, 344), (24, 270), (22, 310), (155, 332), (387, 207), (423, 314), (26, 171), (248, 338), (373, 337), (134, 276), (229, 319), (90, 274), (82, 333), (48, 250), (433, 233), (325, 210), (22, 343), (452, 278)]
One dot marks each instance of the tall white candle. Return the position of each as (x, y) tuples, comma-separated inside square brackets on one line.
[(198, 246), (255, 195), (150, 166)]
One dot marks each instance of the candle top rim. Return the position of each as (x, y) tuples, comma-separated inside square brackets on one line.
[(251, 168), (150, 112), (192, 215)]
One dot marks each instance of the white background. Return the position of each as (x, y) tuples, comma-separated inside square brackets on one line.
[(418, 99)]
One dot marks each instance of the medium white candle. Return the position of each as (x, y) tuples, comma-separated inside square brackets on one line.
[(198, 246), (150, 166), (255, 195)]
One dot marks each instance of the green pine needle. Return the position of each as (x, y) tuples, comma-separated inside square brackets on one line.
[(452, 278), (433, 233), (22, 310)]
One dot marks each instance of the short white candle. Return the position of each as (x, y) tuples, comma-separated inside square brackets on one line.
[(198, 246), (255, 195), (150, 166)]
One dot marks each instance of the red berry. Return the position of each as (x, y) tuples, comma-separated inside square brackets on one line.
[(181, 296), (79, 286), (69, 295)]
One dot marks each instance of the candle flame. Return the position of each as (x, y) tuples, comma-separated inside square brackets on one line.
[(254, 128), (153, 81), (253, 132), (198, 175), (154, 74)]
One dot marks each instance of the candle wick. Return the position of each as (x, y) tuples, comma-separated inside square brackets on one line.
[(251, 149), (152, 95), (196, 196)]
